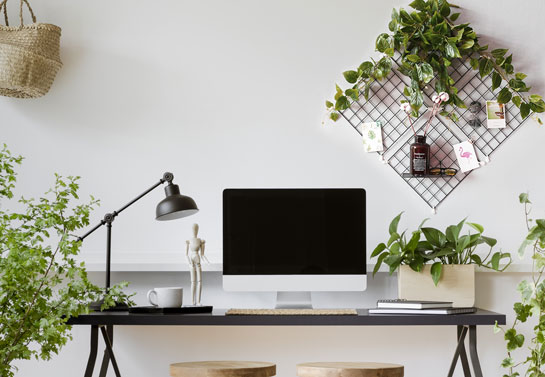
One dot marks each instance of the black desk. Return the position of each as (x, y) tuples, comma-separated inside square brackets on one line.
[(465, 323)]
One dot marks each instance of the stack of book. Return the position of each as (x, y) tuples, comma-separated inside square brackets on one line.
[(417, 307)]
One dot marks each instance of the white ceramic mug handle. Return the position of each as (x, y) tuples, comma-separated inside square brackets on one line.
[(149, 297)]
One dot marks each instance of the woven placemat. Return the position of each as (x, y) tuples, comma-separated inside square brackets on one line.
[(291, 312)]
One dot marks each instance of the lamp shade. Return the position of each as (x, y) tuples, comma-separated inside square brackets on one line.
[(175, 205)]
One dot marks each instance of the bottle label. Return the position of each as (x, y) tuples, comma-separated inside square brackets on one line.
[(419, 162)]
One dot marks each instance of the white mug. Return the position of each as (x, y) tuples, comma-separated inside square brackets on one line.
[(170, 297)]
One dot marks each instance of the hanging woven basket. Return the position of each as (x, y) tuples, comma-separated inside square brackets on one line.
[(29, 56)]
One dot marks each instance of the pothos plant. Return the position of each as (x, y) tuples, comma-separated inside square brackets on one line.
[(531, 305), (429, 41), (41, 284), (438, 248)]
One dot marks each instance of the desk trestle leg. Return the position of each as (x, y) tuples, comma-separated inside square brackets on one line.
[(461, 352), (107, 335)]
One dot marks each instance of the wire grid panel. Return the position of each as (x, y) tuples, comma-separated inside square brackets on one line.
[(383, 105), (477, 89), (432, 190)]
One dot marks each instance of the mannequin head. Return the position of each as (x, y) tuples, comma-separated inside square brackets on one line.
[(195, 230)]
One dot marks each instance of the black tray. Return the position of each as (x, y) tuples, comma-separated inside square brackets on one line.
[(182, 310)]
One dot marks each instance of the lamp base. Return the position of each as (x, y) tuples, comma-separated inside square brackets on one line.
[(118, 307)]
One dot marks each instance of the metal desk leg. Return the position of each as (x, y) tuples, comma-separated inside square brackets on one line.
[(106, 357), (473, 351), (460, 352), (110, 350), (463, 355), (93, 352)]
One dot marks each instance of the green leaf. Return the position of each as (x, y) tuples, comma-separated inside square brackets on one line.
[(523, 198), (394, 223), (379, 249), (485, 67), (478, 227), (380, 259), (339, 92), (413, 242), (436, 270), (489, 241), (454, 17), (413, 58), (507, 362), (452, 233), (334, 116), (427, 72), (467, 44), (496, 80), (524, 110), (328, 104), (384, 42), (495, 261), (452, 51), (520, 76), (535, 98), (434, 236), (352, 93), (342, 103), (499, 52), (514, 340), (420, 5), (516, 100), (351, 76), (504, 96)]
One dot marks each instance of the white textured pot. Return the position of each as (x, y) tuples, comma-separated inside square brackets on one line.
[(457, 284)]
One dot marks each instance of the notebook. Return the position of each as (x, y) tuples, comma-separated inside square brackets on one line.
[(413, 304), (445, 311)]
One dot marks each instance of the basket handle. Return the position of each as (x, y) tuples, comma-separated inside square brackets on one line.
[(4, 7)]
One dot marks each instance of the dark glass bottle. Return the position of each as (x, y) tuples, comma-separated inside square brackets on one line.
[(420, 156)]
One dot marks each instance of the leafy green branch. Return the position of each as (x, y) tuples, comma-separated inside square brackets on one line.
[(531, 304), (41, 284), (429, 42)]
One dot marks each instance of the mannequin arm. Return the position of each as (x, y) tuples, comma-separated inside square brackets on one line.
[(203, 243), (187, 252)]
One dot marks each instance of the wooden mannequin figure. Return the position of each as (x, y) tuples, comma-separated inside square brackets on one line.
[(194, 252)]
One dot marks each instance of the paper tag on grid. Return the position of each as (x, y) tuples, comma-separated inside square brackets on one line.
[(372, 136), (467, 158)]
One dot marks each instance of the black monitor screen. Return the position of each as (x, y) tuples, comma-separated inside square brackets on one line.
[(294, 231)]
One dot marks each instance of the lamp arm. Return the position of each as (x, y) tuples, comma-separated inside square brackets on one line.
[(109, 217)]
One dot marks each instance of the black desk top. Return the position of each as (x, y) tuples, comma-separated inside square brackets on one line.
[(218, 318)]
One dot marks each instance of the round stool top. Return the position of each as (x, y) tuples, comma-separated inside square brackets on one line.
[(223, 369), (342, 369)]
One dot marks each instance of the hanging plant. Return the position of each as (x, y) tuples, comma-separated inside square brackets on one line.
[(429, 41)]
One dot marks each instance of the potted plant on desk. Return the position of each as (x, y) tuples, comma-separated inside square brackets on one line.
[(438, 266)]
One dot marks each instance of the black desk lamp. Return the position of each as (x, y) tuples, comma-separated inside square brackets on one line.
[(174, 206)]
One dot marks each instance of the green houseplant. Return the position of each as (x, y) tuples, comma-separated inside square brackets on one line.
[(428, 245), (429, 41), (531, 305), (41, 284)]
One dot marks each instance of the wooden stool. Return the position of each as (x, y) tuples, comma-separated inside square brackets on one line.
[(349, 370), (223, 369)]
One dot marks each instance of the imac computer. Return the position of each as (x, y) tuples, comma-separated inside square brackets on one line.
[(294, 241)]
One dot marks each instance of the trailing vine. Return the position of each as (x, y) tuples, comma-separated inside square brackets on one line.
[(531, 305), (429, 41)]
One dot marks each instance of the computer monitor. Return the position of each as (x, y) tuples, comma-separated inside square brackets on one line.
[(294, 240)]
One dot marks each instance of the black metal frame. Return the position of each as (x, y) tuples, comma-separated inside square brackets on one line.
[(462, 330), (461, 353), (108, 336), (108, 220), (383, 105)]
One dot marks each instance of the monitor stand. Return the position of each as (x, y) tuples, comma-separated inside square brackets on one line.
[(293, 300)]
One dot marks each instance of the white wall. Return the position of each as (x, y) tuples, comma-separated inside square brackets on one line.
[(230, 94)]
